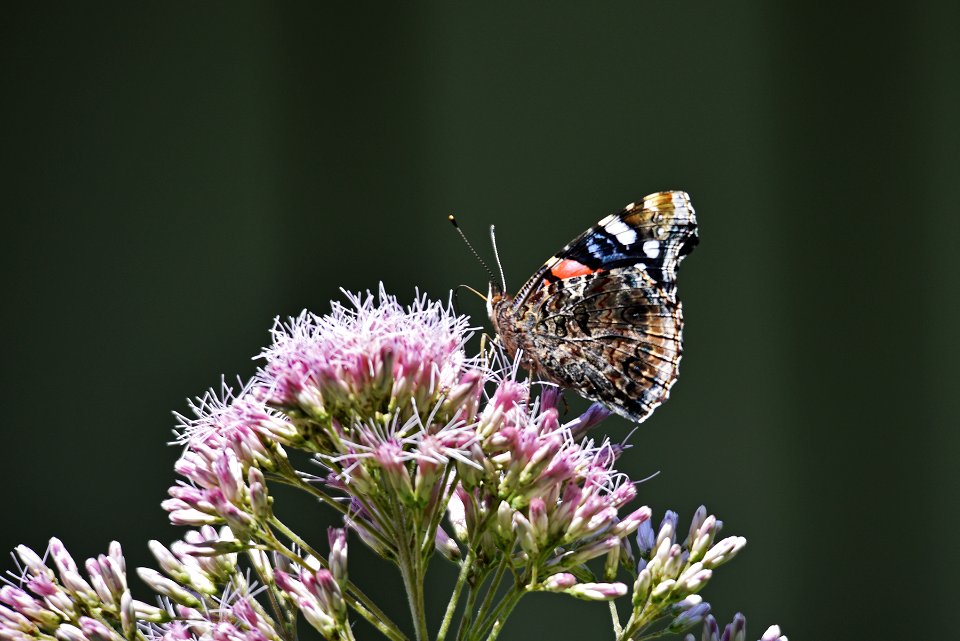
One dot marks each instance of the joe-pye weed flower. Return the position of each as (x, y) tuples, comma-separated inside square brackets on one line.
[(421, 449)]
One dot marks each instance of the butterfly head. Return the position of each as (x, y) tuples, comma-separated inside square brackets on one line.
[(494, 296)]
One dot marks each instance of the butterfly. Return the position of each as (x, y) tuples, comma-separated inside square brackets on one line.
[(602, 316)]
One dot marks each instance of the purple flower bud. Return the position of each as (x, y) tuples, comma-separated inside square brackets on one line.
[(61, 557), (259, 497), (598, 591), (11, 620), (559, 582), (128, 615), (737, 630), (161, 584), (646, 539), (591, 551), (29, 607), (703, 538), (316, 617), (391, 459), (662, 590), (240, 522), (699, 517), (330, 595), (632, 521), (693, 579), (229, 475), (169, 563), (447, 546), (463, 400), (539, 522), (337, 539), (33, 562), (525, 534), (588, 420), (668, 528), (723, 551), (68, 632), (689, 618), (97, 631), (150, 613), (674, 560), (641, 588), (711, 631)]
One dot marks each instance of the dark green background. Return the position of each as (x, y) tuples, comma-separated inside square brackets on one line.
[(175, 175)]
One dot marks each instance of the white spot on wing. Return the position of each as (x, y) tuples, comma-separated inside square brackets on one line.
[(679, 200), (627, 237), (651, 248), (616, 226), (630, 206), (624, 234)]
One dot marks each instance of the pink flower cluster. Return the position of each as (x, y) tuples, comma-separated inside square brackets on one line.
[(372, 357), (528, 483)]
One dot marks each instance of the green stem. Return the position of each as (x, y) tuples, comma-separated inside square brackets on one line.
[(636, 625), (354, 597), (501, 613), (492, 590), (413, 583), (465, 570), (467, 618), (285, 617), (293, 480), (615, 618)]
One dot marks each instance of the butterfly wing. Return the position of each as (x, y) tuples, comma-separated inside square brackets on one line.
[(653, 235), (613, 336), (602, 316)]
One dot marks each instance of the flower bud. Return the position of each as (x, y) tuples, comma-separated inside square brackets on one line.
[(598, 591), (97, 631), (446, 546), (662, 590), (166, 587), (723, 551), (128, 615), (559, 582), (693, 579), (68, 632), (259, 497), (773, 634), (695, 523), (689, 618), (737, 630), (641, 588), (337, 539), (668, 528), (646, 539)]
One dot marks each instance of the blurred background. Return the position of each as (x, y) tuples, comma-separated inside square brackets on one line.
[(175, 176)]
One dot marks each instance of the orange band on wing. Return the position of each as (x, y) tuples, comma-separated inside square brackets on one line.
[(568, 268)]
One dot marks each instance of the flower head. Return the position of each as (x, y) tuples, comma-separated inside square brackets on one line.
[(370, 358)]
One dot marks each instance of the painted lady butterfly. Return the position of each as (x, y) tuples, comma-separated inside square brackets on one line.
[(602, 316)]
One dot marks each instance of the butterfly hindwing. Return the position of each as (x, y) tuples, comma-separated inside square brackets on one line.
[(613, 336), (602, 316)]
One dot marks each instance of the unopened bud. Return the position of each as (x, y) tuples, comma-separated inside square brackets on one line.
[(597, 591)]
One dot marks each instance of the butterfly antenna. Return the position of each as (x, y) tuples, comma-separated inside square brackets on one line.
[(453, 221), (496, 256)]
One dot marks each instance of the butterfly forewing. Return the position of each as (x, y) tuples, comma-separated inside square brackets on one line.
[(602, 316)]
